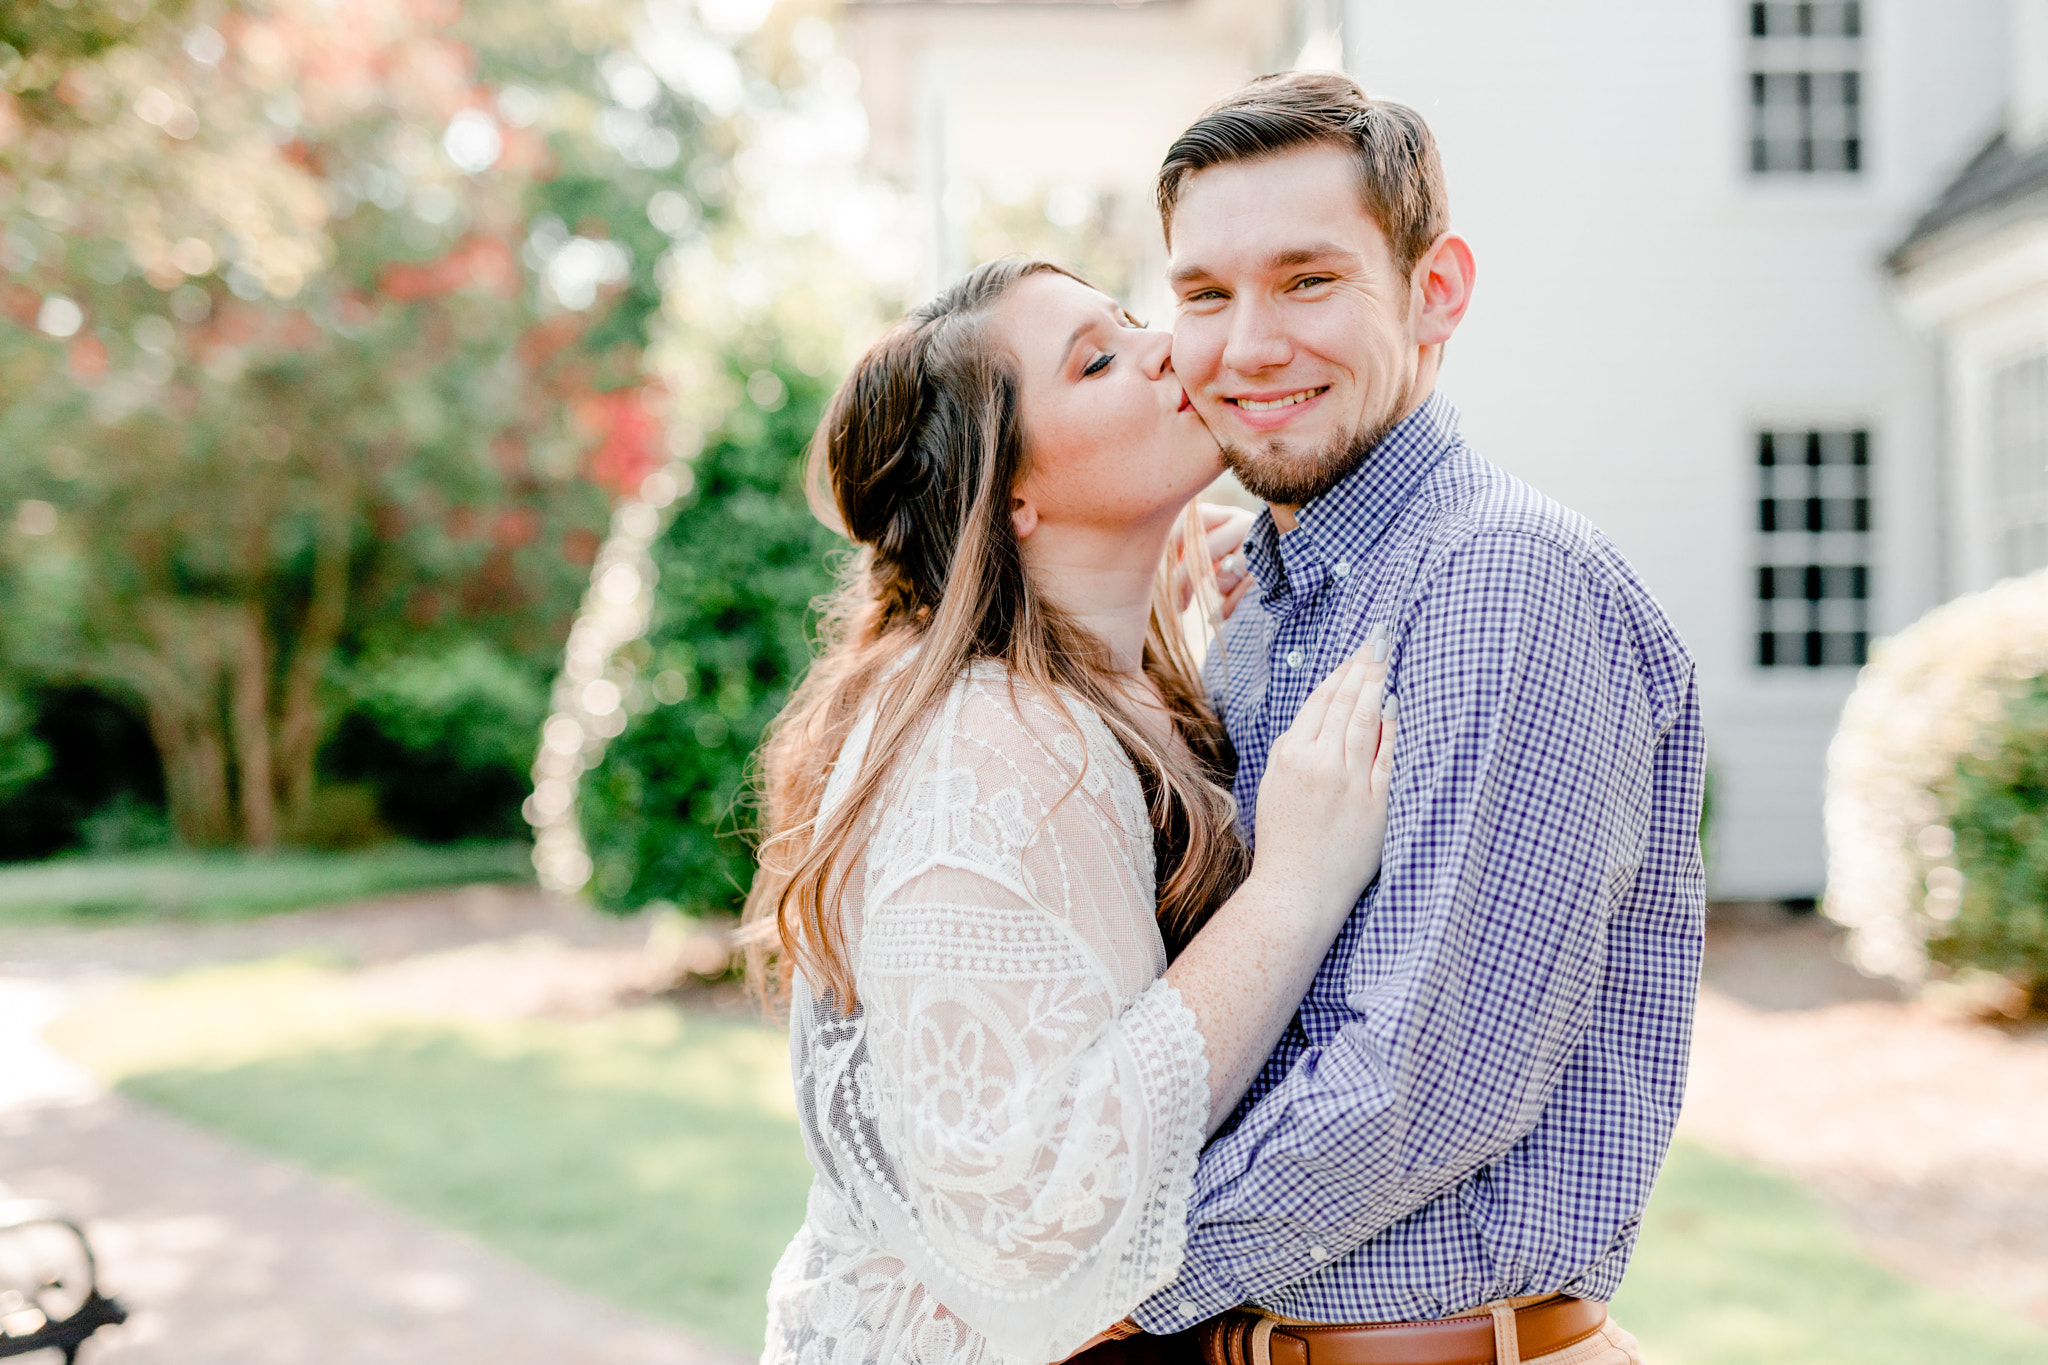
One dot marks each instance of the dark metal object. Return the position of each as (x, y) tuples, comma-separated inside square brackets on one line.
[(49, 1290)]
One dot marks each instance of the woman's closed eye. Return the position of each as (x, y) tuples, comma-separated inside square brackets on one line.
[(1099, 364)]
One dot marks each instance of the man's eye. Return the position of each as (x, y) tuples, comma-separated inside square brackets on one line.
[(1312, 281), (1099, 364)]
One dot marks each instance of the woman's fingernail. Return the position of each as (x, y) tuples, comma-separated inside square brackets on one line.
[(1379, 650), (1390, 709)]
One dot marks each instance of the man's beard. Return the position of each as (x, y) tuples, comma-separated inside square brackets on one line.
[(1279, 473)]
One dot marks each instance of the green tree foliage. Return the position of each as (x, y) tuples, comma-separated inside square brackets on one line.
[(1997, 806), (46, 35), (666, 813), (323, 338), (443, 740), (24, 756)]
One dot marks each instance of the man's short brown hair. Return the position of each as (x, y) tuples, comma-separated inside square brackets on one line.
[(1400, 175)]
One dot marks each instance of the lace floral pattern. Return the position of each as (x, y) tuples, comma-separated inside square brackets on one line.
[(1005, 1131)]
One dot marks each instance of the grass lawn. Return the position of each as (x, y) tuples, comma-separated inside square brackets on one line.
[(652, 1157), (1739, 1266), (232, 885)]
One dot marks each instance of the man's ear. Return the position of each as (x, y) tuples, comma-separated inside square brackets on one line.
[(1023, 516), (1443, 280)]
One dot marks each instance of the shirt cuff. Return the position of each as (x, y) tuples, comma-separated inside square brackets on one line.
[(1198, 1292)]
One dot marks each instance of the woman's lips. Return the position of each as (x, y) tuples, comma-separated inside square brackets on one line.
[(1185, 402)]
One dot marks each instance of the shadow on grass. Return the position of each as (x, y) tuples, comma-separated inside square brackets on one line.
[(1739, 1266), (651, 1159)]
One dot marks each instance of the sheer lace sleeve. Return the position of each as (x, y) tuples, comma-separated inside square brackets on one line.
[(1028, 1101)]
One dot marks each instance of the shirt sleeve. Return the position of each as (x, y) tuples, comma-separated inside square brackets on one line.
[(1033, 1099), (1522, 793)]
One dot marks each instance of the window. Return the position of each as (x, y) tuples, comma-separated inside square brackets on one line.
[(1813, 561), (1806, 87), (2019, 466)]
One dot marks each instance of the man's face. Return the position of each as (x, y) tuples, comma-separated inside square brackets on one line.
[(1295, 330)]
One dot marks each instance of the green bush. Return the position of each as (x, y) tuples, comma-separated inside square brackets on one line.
[(1997, 806), (740, 565), (443, 739), (77, 771), (24, 756)]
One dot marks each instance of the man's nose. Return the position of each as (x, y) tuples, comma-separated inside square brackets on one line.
[(1256, 340)]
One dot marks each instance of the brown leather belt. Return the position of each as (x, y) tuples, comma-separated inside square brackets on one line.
[(1248, 1337)]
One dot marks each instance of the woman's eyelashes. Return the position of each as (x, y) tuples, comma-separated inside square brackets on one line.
[(1101, 362)]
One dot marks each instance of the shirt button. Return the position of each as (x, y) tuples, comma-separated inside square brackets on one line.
[(1342, 568), (1185, 1308), (1318, 1254), (1294, 658)]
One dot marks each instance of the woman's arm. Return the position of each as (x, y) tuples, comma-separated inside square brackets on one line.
[(1322, 819)]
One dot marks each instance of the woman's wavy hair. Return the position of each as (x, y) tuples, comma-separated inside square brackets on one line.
[(914, 462)]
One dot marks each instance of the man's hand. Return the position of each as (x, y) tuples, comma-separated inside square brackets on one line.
[(1224, 529)]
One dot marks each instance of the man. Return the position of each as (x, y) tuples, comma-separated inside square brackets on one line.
[(1462, 1125)]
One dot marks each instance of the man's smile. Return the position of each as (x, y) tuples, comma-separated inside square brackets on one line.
[(1286, 401), (1276, 408)]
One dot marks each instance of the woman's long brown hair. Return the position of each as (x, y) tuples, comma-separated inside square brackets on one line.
[(914, 462)]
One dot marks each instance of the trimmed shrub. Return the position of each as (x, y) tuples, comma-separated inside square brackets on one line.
[(665, 812), (1997, 809), (1929, 696)]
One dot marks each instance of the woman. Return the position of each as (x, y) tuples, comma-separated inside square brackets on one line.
[(1003, 750)]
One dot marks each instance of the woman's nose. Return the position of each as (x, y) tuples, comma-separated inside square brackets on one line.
[(1159, 353)]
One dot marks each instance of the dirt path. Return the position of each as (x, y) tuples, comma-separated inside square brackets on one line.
[(224, 1255), (1929, 1133)]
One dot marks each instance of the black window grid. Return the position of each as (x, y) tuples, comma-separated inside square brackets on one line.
[(1806, 102), (1811, 19), (1812, 585)]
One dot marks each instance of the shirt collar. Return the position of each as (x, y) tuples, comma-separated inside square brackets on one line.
[(1356, 510)]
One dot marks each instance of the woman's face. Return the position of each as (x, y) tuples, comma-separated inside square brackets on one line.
[(1110, 439)]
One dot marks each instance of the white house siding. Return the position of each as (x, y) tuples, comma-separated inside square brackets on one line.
[(962, 96), (1645, 305)]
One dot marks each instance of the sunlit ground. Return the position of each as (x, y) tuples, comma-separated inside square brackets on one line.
[(651, 1156)]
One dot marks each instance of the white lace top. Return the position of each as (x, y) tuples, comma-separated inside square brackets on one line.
[(1005, 1131)]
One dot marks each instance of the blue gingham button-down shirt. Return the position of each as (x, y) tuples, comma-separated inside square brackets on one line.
[(1477, 1092)]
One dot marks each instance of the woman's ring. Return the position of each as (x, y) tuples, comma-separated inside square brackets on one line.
[(1231, 563)]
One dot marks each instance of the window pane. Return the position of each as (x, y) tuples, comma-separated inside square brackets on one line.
[(1806, 88), (1811, 580), (2018, 512)]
